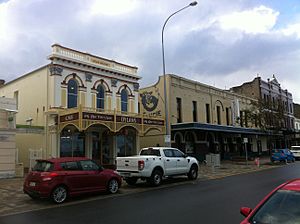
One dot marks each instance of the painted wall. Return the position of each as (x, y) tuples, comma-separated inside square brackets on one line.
[(7, 137), (153, 138), (30, 92), (26, 141), (189, 91)]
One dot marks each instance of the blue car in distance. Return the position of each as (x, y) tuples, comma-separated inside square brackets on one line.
[(282, 155)]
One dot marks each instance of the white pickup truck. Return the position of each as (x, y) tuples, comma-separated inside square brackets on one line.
[(155, 163)]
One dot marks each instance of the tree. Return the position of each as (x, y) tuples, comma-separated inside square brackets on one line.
[(264, 115)]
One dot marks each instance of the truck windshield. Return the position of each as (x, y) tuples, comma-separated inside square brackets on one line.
[(150, 152)]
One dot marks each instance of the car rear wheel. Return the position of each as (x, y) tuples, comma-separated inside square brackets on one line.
[(193, 173), (113, 186), (156, 178), (59, 194)]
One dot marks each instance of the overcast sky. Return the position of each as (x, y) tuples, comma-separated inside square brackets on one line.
[(222, 43)]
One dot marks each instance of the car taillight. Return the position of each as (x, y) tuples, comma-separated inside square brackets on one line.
[(141, 164), (46, 176)]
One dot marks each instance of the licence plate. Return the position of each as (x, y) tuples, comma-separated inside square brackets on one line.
[(32, 184)]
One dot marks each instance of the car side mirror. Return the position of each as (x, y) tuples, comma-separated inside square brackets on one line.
[(245, 211)]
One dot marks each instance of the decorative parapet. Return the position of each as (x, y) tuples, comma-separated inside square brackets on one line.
[(67, 53)]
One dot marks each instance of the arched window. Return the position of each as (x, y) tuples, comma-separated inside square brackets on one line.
[(124, 100), (100, 97), (72, 93)]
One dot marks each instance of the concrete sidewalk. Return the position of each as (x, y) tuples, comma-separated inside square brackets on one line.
[(230, 168), (13, 200)]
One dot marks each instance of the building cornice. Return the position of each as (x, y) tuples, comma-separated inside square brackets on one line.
[(85, 59)]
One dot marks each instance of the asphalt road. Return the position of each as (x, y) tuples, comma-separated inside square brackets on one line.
[(213, 201)]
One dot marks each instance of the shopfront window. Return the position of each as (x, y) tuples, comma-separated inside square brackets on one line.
[(72, 93), (126, 142), (72, 143)]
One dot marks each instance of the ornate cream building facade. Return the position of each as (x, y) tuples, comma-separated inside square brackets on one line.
[(85, 105)]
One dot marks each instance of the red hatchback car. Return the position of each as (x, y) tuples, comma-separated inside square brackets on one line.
[(64, 177), (281, 206)]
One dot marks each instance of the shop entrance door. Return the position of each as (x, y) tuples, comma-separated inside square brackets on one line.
[(102, 151), (96, 146)]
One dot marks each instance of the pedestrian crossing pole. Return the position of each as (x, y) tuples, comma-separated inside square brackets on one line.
[(246, 151)]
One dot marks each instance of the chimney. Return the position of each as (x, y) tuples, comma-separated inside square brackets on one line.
[(2, 82)]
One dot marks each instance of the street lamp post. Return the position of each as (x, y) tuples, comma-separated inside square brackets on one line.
[(168, 131)]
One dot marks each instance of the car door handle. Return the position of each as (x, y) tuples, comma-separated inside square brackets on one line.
[(178, 160), (168, 160)]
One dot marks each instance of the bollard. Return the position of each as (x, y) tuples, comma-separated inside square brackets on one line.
[(257, 163), (213, 168)]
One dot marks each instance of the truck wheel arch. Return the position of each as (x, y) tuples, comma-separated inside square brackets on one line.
[(159, 168)]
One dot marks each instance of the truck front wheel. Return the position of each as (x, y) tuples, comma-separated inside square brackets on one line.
[(156, 178), (193, 173)]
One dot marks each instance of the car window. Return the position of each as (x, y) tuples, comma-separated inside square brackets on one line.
[(70, 166), (150, 152), (168, 152), (88, 165), (281, 207), (177, 153), (43, 166)]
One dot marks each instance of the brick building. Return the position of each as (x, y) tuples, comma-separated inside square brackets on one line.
[(277, 106)]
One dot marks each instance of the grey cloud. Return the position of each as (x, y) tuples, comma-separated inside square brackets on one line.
[(135, 38), (202, 51)]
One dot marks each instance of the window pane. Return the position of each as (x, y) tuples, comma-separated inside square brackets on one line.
[(124, 100), (72, 86), (126, 144), (72, 93), (43, 166), (168, 153), (72, 144), (100, 97), (178, 101), (71, 166), (177, 153), (88, 165), (150, 152), (100, 103)]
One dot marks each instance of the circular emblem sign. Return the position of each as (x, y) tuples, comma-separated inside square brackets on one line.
[(149, 101)]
